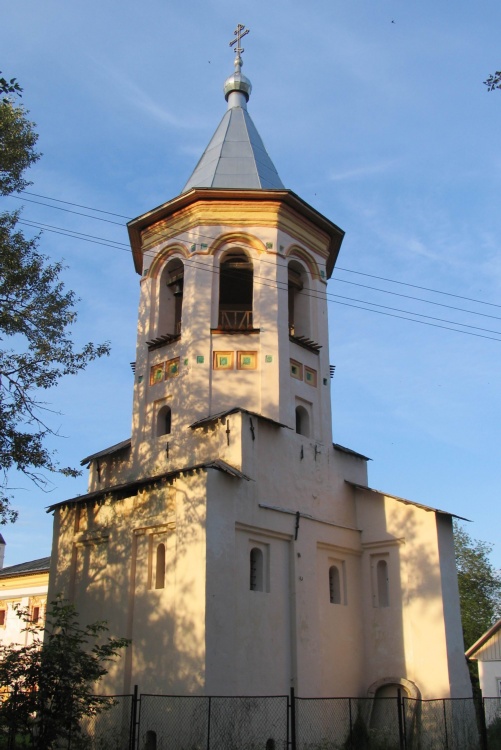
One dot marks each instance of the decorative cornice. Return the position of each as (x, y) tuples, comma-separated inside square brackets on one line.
[(280, 209)]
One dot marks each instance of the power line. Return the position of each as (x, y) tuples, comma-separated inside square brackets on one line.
[(199, 234), (420, 299), (60, 208), (74, 235), (329, 297), (78, 205), (416, 286), (102, 240), (422, 322)]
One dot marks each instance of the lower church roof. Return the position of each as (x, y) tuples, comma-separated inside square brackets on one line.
[(129, 489), (405, 501), (41, 565)]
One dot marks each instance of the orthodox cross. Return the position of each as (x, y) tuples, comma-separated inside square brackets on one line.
[(239, 33)]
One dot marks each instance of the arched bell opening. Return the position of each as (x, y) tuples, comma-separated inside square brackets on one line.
[(299, 300), (236, 288), (171, 298)]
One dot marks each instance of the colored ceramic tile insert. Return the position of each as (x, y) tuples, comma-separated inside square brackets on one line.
[(246, 360), (223, 360)]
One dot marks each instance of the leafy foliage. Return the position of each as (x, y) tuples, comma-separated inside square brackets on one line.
[(17, 147), (479, 585), (51, 681), (36, 315), (9, 87), (479, 591), (494, 81)]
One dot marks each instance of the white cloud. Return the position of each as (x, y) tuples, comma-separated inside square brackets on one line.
[(356, 173)]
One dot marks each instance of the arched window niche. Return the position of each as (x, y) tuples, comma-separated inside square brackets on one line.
[(164, 421), (299, 300), (334, 585), (160, 567), (256, 569), (385, 693), (302, 421), (170, 303), (236, 282)]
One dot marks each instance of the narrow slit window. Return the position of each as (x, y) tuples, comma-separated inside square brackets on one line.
[(334, 585), (302, 421), (383, 593), (164, 421), (35, 615), (2, 617), (160, 567), (256, 570)]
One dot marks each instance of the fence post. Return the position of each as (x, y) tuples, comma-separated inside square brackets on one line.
[(287, 732), (70, 726), (293, 720), (11, 736), (351, 722), (445, 726), (484, 743), (401, 733), (404, 720), (208, 722), (133, 719)]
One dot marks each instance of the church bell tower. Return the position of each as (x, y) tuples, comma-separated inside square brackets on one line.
[(233, 310), (237, 547)]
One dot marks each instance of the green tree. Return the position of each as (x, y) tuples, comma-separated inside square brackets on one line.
[(36, 317), (479, 589), (493, 81), (51, 682), (479, 585), (9, 87)]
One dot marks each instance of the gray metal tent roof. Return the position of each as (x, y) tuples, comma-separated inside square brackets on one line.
[(236, 156)]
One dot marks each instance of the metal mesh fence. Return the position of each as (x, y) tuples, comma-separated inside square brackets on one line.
[(347, 724), (173, 722), (271, 723), (492, 710), (392, 724), (216, 723), (107, 730), (442, 724)]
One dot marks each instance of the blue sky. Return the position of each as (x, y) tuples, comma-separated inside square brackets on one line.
[(374, 112)]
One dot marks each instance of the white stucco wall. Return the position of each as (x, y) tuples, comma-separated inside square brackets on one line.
[(205, 631)]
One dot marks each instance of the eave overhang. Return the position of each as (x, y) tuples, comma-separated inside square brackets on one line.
[(350, 452), (223, 414), (130, 489), (136, 227), (33, 567), (403, 500), (117, 448), (470, 653)]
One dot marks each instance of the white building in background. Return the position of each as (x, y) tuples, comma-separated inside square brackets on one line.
[(22, 587), (487, 653), (238, 547)]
